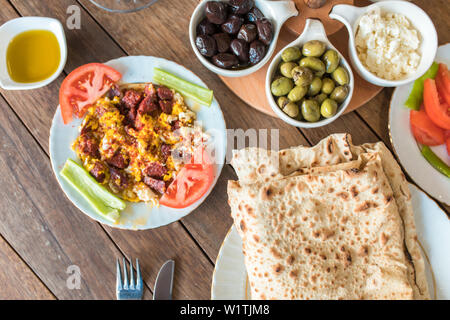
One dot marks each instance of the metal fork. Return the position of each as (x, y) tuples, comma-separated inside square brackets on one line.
[(129, 290)]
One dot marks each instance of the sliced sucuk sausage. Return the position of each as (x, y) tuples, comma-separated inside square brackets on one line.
[(147, 105), (165, 151), (165, 93), (131, 116), (150, 91), (98, 172), (114, 92), (138, 123), (157, 185), (131, 98), (166, 106), (175, 125), (88, 145), (118, 160), (118, 177), (155, 170)]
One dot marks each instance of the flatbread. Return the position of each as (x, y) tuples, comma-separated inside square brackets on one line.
[(256, 165), (333, 235)]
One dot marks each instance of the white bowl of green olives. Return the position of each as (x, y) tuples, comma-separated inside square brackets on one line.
[(309, 83), (234, 38)]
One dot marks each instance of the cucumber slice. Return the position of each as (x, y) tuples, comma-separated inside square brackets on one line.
[(198, 93), (102, 201)]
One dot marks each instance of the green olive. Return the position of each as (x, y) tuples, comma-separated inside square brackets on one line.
[(313, 48), (291, 54), (331, 60), (320, 98), (313, 63), (291, 109), (327, 85), (286, 68), (282, 101), (281, 86), (297, 93), (328, 108), (340, 75), (311, 110), (302, 76), (340, 93), (315, 86)]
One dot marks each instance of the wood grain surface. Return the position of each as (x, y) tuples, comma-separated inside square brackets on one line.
[(42, 233)]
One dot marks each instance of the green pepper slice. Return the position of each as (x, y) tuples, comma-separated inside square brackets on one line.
[(415, 98), (435, 161)]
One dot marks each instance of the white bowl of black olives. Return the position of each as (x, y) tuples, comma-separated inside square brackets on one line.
[(309, 83), (234, 38)]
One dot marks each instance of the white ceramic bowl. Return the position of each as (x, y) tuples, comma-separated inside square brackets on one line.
[(313, 30), (15, 26), (350, 17), (276, 11)]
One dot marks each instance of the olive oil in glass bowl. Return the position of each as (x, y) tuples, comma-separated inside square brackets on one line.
[(123, 6)]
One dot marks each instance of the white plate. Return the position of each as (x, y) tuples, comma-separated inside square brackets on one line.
[(406, 148), (433, 231), (139, 215)]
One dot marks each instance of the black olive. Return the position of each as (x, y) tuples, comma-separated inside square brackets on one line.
[(216, 12), (206, 45), (233, 24), (223, 41), (206, 27), (225, 60), (265, 31), (248, 32), (257, 51), (254, 15), (241, 6), (240, 48)]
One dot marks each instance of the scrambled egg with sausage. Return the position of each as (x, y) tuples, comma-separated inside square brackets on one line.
[(130, 140)]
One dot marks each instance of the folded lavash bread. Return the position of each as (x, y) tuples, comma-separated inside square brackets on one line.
[(256, 165), (332, 235)]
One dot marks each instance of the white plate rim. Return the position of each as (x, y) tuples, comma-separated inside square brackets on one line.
[(180, 213), (428, 252), (405, 146)]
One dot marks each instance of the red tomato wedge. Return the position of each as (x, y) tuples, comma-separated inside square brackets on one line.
[(438, 112), (83, 86), (424, 130), (443, 83), (191, 183)]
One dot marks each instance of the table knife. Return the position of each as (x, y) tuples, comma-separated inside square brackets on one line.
[(164, 282)]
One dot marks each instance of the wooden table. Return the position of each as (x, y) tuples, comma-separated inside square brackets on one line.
[(42, 233)]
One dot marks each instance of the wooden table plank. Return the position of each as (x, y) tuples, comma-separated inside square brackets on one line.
[(17, 279), (44, 101)]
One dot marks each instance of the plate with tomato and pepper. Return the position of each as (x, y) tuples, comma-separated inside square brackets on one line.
[(419, 125), (137, 142)]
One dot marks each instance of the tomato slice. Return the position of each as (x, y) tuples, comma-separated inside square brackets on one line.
[(83, 86), (424, 130), (443, 83), (438, 112), (191, 183)]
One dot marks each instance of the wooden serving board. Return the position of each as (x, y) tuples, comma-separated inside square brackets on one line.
[(251, 88)]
